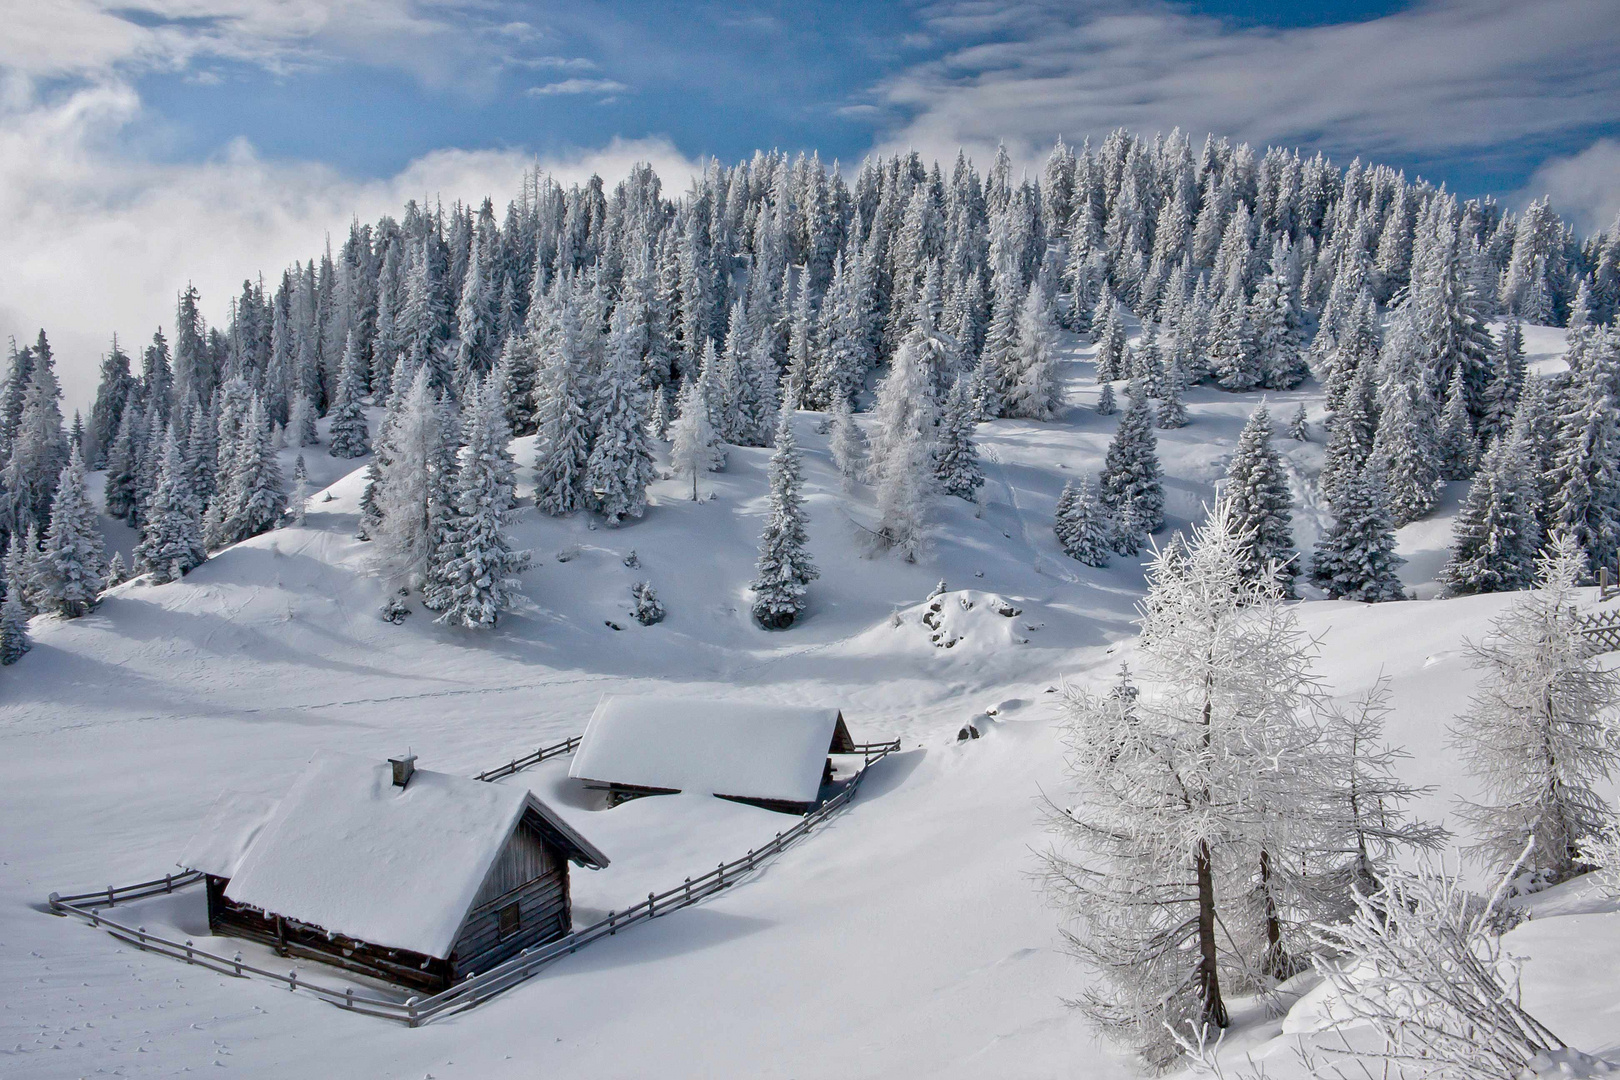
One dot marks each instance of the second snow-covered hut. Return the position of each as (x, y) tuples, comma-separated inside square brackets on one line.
[(773, 756)]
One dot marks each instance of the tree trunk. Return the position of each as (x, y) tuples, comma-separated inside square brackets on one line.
[(1208, 977)]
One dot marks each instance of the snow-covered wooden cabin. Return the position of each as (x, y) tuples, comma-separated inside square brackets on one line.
[(417, 877), (774, 756)]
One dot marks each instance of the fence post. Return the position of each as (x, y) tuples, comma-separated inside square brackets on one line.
[(188, 950), (650, 911), (237, 960), (112, 901), (348, 997), (720, 877), (689, 888), (613, 917), (779, 843), (410, 1009), (140, 932), (168, 883), (292, 980)]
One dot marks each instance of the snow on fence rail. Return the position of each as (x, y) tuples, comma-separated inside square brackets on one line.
[(1601, 630), (567, 746), (477, 988)]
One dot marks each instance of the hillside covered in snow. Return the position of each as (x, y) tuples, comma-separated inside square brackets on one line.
[(311, 518)]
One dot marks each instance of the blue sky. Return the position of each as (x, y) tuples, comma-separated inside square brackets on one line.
[(723, 79), (144, 143)]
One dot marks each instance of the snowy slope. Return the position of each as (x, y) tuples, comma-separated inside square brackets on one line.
[(904, 939)]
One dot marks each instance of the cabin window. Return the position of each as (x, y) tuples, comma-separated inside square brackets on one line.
[(509, 920)]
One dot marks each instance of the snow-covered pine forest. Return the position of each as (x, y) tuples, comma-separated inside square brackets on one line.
[(447, 481)]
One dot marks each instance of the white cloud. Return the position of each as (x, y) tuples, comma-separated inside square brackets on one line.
[(1440, 77), (96, 240), (1585, 187), (446, 44), (577, 86)]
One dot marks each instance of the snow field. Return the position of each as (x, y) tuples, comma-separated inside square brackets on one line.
[(904, 938)]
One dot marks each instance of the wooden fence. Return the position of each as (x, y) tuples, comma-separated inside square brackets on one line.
[(1601, 630), (567, 746), (477, 988), (1608, 588)]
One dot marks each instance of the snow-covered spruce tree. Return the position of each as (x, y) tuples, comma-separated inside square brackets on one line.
[(117, 572), (1033, 390), (620, 465), (14, 639), (347, 436), (1539, 736), (1083, 528), (784, 569), (298, 500), (22, 560), (1110, 341), (1274, 321), (1299, 425), (956, 459), (1351, 433), (1132, 485), (73, 565), (694, 448), (1260, 500), (848, 445), (1182, 796), (112, 394), (902, 457), (1456, 446), (38, 448), (1496, 536), (301, 422), (1172, 410), (474, 578), (1404, 450), (1355, 558), (562, 445), (415, 491), (1363, 827), (121, 495), (171, 529), (1502, 393), (1106, 404), (254, 497), (1585, 480)]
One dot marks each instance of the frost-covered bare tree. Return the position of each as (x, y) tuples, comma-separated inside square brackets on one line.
[(1174, 860), (1363, 824), (1420, 962), (1540, 734)]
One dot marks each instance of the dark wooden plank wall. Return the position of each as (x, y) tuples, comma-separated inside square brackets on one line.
[(544, 914)]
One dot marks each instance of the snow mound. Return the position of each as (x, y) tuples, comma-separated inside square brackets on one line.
[(953, 617)]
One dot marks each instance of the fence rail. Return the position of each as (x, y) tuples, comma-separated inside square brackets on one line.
[(1601, 630), (567, 746), (503, 976)]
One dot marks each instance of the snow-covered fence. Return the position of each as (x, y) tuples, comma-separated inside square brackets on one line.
[(567, 746), (86, 906), (504, 976), (1601, 630)]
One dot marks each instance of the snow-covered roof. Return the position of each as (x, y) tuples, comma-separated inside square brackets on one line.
[(227, 831), (737, 748), (349, 852)]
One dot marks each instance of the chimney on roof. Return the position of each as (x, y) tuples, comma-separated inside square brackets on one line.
[(404, 768)]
